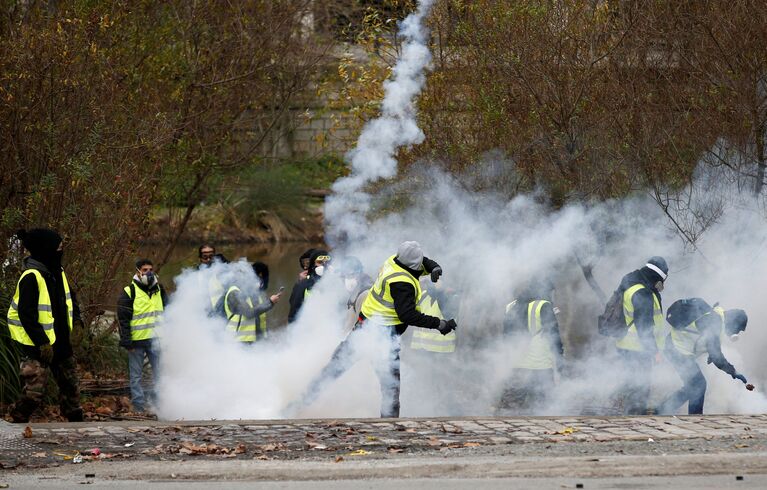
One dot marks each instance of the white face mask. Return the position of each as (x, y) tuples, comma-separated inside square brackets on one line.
[(350, 283), (734, 337), (659, 286), (319, 270)]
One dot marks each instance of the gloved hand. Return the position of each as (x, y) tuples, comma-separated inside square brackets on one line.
[(46, 353), (740, 377), (445, 327), (435, 273)]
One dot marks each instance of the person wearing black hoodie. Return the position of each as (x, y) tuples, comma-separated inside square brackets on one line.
[(303, 288), (390, 304), (638, 349), (139, 311), (41, 317)]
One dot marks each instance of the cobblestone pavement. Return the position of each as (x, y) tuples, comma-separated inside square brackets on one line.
[(41, 445)]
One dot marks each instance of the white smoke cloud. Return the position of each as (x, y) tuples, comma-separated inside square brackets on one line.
[(489, 246)]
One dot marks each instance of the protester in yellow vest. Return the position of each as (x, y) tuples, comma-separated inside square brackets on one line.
[(698, 329), (139, 313), (390, 304), (639, 347), (41, 316), (246, 304), (531, 325)]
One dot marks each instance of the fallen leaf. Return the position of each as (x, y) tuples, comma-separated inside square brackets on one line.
[(371, 438), (27, 432), (740, 446), (359, 452), (396, 450), (262, 457), (471, 444), (433, 441), (104, 410), (240, 449), (567, 431), (39, 455), (339, 459)]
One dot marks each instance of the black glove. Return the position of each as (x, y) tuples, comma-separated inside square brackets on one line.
[(435, 273), (46, 353), (445, 327), (740, 377)]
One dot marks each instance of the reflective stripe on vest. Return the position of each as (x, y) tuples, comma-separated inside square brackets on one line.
[(426, 338), (538, 354), (687, 340), (244, 328), (147, 313), (631, 341), (44, 309), (379, 304)]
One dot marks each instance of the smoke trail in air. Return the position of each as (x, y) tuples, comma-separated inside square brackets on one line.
[(374, 155)]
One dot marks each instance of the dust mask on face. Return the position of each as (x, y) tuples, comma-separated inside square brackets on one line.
[(350, 283), (659, 286), (319, 270)]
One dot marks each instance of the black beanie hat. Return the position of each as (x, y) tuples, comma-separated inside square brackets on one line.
[(41, 242)]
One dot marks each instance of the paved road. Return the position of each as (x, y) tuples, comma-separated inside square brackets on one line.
[(553, 450)]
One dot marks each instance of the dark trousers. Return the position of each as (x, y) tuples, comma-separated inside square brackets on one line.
[(34, 376), (526, 391), (345, 356), (693, 389), (636, 372)]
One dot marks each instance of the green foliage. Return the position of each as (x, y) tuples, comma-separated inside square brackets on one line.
[(284, 188)]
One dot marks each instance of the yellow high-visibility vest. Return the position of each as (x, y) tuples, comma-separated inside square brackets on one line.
[(147, 313), (245, 328), (687, 340), (428, 339), (631, 341), (44, 309), (538, 354), (379, 304)]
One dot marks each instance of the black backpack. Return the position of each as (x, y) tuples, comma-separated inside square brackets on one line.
[(685, 311), (612, 323)]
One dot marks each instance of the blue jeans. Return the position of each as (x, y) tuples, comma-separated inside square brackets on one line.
[(136, 357), (693, 390)]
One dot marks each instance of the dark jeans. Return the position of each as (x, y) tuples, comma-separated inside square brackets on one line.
[(693, 389), (136, 357), (526, 391), (636, 372), (345, 356), (34, 376)]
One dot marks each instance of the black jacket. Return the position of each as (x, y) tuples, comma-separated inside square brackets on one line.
[(297, 296), (125, 312), (403, 295), (28, 301), (643, 305), (710, 328)]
